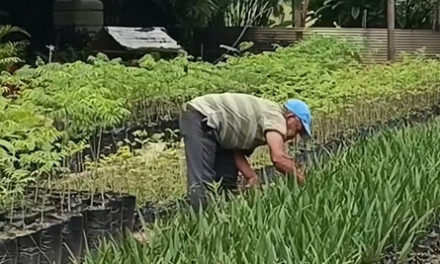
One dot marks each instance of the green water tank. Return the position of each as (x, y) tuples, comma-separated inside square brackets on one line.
[(82, 14)]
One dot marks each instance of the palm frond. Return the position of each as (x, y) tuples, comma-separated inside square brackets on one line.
[(8, 29), (9, 50), (250, 12)]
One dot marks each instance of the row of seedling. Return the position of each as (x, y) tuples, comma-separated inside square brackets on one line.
[(58, 227)]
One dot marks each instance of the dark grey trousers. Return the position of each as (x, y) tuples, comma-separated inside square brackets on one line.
[(206, 161)]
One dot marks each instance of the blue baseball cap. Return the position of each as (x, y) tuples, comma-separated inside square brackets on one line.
[(302, 111)]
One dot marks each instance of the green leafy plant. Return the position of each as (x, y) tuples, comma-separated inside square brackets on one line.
[(379, 195), (416, 14), (9, 50), (84, 100), (87, 99), (29, 151), (140, 172), (241, 13), (410, 14)]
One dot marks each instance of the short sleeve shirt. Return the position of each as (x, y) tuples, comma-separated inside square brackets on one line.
[(241, 120)]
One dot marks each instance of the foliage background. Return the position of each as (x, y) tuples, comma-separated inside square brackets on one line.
[(181, 18)]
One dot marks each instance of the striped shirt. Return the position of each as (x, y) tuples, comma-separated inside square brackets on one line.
[(241, 120)]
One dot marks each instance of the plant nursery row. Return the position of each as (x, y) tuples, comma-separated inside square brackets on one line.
[(80, 135), (372, 202), (56, 227)]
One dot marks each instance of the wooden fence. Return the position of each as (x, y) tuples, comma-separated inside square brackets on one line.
[(373, 40)]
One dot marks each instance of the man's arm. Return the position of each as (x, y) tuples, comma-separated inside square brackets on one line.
[(245, 168), (280, 159)]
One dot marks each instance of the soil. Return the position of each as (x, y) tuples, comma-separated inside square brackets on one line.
[(426, 251)]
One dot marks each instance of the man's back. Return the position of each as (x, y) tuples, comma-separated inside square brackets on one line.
[(240, 120)]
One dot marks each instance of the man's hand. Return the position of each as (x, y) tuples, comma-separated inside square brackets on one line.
[(252, 182), (300, 175), (244, 167), (280, 159)]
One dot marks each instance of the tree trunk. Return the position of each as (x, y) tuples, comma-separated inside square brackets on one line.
[(297, 13), (298, 21), (391, 16), (436, 24)]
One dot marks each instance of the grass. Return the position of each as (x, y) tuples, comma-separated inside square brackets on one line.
[(379, 195)]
